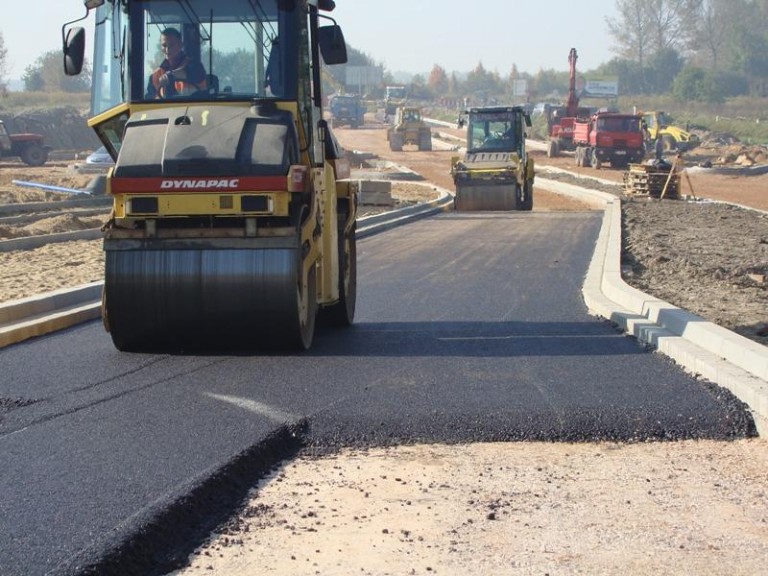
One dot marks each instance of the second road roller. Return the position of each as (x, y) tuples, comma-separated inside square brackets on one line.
[(496, 172)]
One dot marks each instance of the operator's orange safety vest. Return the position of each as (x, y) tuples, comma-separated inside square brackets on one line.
[(183, 87)]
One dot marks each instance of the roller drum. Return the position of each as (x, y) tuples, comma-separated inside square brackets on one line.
[(492, 197), (179, 299)]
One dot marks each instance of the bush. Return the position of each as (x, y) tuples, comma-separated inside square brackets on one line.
[(695, 84)]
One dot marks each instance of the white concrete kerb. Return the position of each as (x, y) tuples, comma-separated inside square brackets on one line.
[(703, 348)]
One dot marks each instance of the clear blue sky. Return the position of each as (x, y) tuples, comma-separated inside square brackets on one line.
[(404, 35)]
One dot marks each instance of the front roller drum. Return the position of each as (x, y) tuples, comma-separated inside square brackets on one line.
[(488, 197), (233, 299)]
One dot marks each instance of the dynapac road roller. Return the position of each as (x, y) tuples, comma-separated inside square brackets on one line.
[(233, 223), (496, 173)]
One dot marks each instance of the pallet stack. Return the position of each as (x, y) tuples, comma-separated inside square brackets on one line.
[(649, 180)]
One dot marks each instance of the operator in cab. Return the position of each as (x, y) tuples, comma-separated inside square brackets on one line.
[(178, 74)]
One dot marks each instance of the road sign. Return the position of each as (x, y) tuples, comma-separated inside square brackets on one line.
[(363, 77), (601, 87)]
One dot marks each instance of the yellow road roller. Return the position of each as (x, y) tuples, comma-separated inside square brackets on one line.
[(233, 220), (495, 173)]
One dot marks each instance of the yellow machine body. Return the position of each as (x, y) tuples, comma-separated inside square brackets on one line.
[(233, 221)]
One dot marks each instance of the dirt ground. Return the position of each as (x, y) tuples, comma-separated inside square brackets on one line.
[(521, 508), (507, 509)]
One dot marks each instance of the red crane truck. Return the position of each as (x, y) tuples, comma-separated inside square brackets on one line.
[(609, 137), (562, 118)]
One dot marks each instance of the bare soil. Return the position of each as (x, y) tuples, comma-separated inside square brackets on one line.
[(522, 508), (598, 509)]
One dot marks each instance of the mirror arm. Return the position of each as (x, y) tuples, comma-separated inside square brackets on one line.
[(67, 24)]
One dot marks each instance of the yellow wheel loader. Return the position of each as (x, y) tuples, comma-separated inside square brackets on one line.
[(233, 221), (496, 173), (409, 129), (661, 125)]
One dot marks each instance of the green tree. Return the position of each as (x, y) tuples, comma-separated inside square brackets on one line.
[(454, 85), (419, 88), (3, 62), (663, 66), (438, 80), (631, 30), (696, 84), (47, 74), (549, 83), (712, 25), (234, 68), (481, 80), (631, 76), (33, 80), (645, 28)]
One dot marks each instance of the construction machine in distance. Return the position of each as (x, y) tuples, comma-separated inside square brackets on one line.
[(395, 96), (347, 110), (661, 125), (233, 221), (496, 172), (409, 129), (29, 147), (608, 137), (561, 118)]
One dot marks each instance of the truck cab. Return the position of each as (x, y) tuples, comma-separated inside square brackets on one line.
[(609, 137), (347, 110)]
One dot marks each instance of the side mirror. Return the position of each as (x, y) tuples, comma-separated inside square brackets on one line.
[(74, 51), (527, 120), (460, 122), (332, 44)]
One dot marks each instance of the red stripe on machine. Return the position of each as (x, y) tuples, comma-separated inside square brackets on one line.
[(210, 184)]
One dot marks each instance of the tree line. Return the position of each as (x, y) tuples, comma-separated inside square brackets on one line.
[(705, 50), (700, 50), (46, 74)]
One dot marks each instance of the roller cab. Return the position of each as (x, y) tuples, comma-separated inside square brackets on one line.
[(233, 222)]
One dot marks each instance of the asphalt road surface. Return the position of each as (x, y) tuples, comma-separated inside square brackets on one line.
[(470, 327)]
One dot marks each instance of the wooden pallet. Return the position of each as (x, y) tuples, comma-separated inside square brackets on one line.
[(648, 180)]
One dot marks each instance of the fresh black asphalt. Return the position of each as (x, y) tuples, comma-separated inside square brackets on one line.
[(470, 327)]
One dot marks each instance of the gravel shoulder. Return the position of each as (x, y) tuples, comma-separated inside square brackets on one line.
[(559, 509)]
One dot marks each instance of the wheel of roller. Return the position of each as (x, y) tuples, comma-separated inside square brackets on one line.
[(343, 312)]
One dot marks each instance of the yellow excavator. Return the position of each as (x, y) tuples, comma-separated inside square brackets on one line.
[(233, 221)]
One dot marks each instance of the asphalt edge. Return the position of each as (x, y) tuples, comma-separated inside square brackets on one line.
[(701, 347)]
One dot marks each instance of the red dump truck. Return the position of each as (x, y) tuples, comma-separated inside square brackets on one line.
[(609, 137)]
